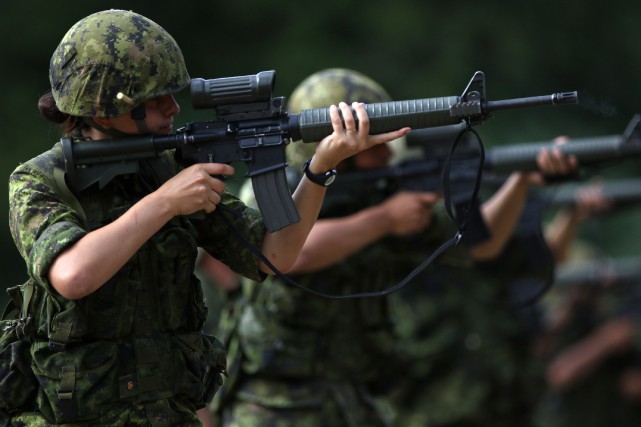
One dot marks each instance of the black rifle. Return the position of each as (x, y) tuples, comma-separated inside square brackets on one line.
[(620, 192), (425, 172), (587, 150), (522, 157), (252, 127), (600, 272)]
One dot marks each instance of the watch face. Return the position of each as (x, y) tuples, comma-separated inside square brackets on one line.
[(326, 179)]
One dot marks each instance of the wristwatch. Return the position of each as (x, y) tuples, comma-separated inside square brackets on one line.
[(323, 180)]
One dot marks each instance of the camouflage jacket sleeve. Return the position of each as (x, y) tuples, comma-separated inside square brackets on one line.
[(226, 233), (223, 237), (42, 222)]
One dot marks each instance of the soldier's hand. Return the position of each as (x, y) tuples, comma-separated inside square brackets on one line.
[(590, 200), (553, 165), (409, 212), (348, 139), (195, 188)]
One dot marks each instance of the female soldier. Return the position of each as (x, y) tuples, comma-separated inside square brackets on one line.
[(117, 310)]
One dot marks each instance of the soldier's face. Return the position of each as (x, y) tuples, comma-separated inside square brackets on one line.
[(159, 117), (373, 158)]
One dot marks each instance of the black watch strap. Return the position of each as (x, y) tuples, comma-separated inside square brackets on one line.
[(323, 180)]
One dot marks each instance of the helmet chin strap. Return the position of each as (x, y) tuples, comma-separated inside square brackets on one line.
[(108, 131), (138, 115)]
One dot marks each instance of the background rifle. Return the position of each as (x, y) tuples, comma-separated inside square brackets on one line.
[(600, 272), (620, 192), (425, 173), (252, 127), (587, 150)]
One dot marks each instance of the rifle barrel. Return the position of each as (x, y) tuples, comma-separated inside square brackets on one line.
[(620, 191), (123, 149), (553, 99), (599, 272), (315, 124), (588, 150)]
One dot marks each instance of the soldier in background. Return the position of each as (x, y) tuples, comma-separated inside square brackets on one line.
[(590, 345), (296, 359), (469, 331), (300, 360)]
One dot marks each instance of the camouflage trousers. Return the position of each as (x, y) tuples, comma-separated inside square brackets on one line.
[(160, 413), (455, 399), (264, 403)]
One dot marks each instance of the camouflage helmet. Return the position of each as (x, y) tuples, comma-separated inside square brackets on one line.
[(333, 85), (110, 61), (323, 89)]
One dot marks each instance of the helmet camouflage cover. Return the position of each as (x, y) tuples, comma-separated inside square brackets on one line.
[(333, 85), (110, 61), (323, 89)]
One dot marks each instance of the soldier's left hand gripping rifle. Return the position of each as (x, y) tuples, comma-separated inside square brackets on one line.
[(251, 126)]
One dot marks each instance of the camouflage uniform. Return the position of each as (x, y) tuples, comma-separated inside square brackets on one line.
[(132, 352), (296, 359), (595, 400), (468, 353)]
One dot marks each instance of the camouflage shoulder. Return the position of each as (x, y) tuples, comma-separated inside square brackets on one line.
[(44, 164), (47, 167)]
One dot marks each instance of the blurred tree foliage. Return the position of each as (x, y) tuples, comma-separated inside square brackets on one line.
[(414, 48)]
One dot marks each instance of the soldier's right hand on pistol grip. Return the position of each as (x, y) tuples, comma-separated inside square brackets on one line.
[(196, 188)]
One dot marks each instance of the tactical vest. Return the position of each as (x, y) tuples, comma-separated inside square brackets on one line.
[(138, 337)]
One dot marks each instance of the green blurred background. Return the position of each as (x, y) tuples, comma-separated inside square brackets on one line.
[(414, 48)]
